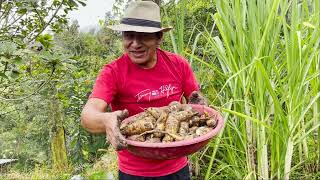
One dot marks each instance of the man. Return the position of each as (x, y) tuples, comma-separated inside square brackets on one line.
[(143, 77)]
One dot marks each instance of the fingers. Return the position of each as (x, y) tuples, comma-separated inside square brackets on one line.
[(117, 140), (113, 129), (194, 98), (124, 114), (122, 143), (194, 94), (111, 139), (121, 114), (197, 98)]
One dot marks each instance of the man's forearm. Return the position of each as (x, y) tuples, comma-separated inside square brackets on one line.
[(93, 120)]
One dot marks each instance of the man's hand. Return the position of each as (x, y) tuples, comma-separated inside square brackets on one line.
[(113, 129), (197, 98)]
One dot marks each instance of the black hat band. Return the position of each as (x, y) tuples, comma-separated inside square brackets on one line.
[(141, 22)]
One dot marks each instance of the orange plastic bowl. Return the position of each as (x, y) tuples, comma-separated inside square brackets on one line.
[(172, 150)]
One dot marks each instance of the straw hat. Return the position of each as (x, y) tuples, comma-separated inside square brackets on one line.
[(141, 16)]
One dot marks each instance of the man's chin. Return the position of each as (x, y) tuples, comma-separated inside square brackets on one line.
[(139, 61)]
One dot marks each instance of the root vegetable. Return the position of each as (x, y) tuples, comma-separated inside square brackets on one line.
[(154, 140), (161, 122), (149, 136), (211, 122), (172, 126), (184, 128), (141, 116), (174, 136), (175, 122), (189, 136), (155, 112), (138, 127), (193, 129), (137, 138), (203, 130), (175, 106), (186, 107), (199, 121), (184, 115)]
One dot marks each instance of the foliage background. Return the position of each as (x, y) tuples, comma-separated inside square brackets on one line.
[(249, 57)]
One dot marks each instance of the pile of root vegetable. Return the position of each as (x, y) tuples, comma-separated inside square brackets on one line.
[(174, 122)]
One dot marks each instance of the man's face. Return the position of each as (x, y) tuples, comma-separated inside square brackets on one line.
[(141, 47)]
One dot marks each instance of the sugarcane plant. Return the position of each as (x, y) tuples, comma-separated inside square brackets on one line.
[(267, 54)]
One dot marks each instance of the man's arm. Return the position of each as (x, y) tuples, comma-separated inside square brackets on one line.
[(94, 117), (96, 120)]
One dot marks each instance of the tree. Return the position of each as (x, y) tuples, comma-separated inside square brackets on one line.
[(22, 23), (29, 62), (27, 19)]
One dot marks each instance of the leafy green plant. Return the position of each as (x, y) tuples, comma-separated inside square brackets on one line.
[(27, 19)]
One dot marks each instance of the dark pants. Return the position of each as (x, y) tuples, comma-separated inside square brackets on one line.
[(182, 174)]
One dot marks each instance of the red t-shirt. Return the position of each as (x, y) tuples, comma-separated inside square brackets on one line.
[(125, 85)]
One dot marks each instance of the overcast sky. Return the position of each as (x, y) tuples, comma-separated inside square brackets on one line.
[(90, 14)]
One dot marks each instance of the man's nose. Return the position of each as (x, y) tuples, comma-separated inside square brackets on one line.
[(137, 39), (136, 42)]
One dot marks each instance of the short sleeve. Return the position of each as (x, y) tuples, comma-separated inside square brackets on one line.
[(190, 83), (105, 86)]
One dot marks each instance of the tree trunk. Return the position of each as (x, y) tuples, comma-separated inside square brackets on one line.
[(59, 152), (58, 146)]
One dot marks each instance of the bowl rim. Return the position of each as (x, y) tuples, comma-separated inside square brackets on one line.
[(207, 136)]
